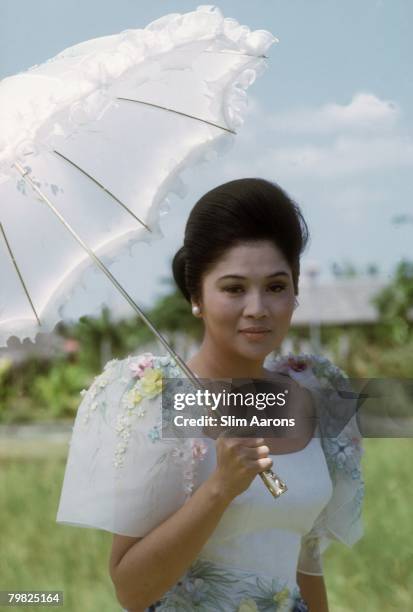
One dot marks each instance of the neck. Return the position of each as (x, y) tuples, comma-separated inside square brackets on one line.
[(213, 362)]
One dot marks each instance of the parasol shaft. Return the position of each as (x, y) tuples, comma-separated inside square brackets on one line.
[(273, 483)]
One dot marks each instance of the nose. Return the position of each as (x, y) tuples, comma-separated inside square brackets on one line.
[(255, 305)]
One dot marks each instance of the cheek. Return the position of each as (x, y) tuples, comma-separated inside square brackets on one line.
[(283, 304), (287, 307), (282, 312), (220, 310)]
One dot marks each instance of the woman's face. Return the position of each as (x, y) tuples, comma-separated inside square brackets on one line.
[(248, 300)]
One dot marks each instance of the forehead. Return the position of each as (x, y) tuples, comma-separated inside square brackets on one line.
[(251, 259)]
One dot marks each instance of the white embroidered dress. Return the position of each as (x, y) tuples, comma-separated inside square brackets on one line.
[(123, 478)]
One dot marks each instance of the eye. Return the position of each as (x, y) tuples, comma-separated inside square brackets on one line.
[(274, 288), (277, 287), (234, 288)]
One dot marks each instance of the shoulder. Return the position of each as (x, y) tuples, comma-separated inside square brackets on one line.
[(126, 397), (143, 372), (336, 404), (136, 367), (311, 367), (120, 417)]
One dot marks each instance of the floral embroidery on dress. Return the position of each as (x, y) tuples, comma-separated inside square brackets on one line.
[(139, 365), (326, 372), (247, 605), (207, 586), (272, 595), (154, 434), (150, 384), (147, 381), (96, 388), (198, 452), (142, 379), (204, 587), (341, 452)]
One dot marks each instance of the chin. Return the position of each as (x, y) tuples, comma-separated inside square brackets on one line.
[(255, 353)]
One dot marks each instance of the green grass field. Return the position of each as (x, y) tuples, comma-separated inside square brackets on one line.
[(36, 553)]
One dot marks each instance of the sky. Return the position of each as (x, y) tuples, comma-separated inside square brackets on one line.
[(330, 120)]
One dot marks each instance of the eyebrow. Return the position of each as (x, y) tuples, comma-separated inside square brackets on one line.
[(279, 273)]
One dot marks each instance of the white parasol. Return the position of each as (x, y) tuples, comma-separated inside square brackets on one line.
[(92, 142)]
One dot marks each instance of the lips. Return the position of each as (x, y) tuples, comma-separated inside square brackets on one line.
[(255, 330), (255, 334)]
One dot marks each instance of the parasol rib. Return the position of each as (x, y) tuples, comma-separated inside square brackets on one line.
[(89, 176), (176, 112), (19, 274), (275, 486)]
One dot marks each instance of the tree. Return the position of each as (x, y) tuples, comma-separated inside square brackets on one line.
[(173, 313), (395, 304)]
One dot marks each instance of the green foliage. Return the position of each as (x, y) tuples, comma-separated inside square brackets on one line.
[(368, 356), (5, 376), (172, 313), (16, 388), (56, 394), (102, 338), (43, 392), (384, 349), (395, 304)]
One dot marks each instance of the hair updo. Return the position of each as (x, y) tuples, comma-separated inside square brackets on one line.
[(244, 210)]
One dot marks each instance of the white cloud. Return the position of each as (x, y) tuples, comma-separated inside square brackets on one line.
[(365, 112), (328, 143), (345, 156)]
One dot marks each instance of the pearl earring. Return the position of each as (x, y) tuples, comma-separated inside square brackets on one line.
[(296, 303), (196, 311)]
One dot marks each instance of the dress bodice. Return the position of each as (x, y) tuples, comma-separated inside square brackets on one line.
[(256, 528), (250, 561)]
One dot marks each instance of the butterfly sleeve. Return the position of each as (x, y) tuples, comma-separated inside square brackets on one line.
[(341, 440), (121, 476)]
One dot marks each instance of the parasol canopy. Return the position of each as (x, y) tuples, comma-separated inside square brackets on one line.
[(94, 140)]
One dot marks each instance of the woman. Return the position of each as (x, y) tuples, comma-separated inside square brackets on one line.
[(194, 529)]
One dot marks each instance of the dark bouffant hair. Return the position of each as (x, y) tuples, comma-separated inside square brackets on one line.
[(244, 210)]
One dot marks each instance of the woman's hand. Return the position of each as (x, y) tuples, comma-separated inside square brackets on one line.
[(239, 460)]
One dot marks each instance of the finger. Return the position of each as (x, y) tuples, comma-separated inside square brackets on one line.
[(252, 442), (242, 432), (255, 453), (260, 465), (247, 441), (244, 443)]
